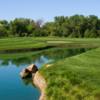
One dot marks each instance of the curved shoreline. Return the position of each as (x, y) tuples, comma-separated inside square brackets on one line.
[(40, 82)]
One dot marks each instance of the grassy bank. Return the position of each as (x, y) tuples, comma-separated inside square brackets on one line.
[(30, 42), (74, 78)]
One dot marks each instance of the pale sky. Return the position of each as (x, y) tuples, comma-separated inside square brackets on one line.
[(47, 9)]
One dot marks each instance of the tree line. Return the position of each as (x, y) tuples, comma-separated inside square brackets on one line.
[(78, 26)]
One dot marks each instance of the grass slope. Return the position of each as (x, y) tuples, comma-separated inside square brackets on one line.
[(74, 78)]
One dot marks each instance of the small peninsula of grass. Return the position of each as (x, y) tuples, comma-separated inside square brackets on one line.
[(74, 78)]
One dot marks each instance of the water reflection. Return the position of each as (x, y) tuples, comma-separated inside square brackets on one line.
[(43, 57), (12, 87), (42, 60)]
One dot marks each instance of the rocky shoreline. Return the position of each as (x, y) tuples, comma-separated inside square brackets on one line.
[(40, 82), (37, 78)]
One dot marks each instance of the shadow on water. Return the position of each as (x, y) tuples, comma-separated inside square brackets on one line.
[(25, 50), (28, 81), (13, 86)]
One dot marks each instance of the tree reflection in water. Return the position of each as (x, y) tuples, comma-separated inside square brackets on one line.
[(45, 56)]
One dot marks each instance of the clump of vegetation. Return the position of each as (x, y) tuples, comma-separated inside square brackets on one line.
[(73, 26), (74, 78)]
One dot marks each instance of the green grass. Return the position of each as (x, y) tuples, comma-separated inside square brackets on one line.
[(74, 78), (20, 43), (30, 42)]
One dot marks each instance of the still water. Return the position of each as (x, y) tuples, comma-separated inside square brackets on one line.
[(12, 87)]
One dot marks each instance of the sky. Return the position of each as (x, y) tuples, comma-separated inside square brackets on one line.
[(47, 9)]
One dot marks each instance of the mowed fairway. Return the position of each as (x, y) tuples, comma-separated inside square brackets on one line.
[(20, 43), (30, 42), (74, 78)]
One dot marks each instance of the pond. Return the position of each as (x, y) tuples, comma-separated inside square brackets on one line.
[(12, 87)]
